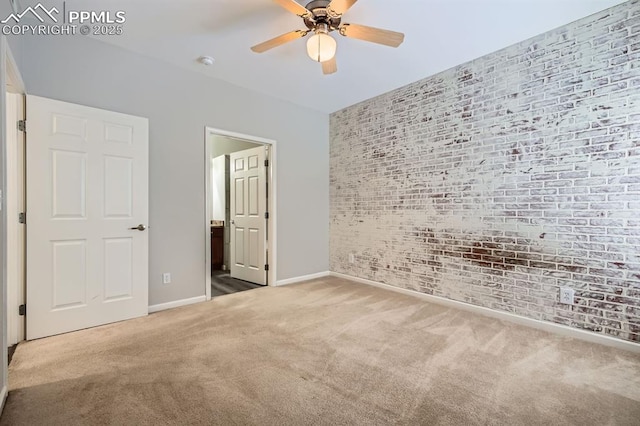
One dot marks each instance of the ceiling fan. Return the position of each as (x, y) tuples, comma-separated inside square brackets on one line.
[(323, 17)]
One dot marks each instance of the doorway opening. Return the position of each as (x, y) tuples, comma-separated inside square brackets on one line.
[(240, 212)]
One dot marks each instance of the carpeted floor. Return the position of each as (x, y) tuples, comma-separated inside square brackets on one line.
[(324, 352)]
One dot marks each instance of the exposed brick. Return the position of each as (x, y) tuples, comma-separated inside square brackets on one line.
[(503, 179)]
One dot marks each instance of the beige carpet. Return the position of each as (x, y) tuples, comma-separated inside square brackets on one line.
[(325, 352)]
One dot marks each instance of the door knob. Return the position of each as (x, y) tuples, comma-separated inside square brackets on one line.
[(140, 227), (233, 222)]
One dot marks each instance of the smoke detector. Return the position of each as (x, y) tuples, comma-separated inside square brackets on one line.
[(206, 60)]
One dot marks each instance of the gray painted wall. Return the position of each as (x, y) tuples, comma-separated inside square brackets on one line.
[(179, 104)]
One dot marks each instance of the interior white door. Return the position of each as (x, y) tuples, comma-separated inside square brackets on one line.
[(248, 208), (87, 191)]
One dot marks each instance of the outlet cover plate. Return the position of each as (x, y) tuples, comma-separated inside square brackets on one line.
[(566, 295)]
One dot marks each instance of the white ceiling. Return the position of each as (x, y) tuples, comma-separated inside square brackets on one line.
[(439, 34)]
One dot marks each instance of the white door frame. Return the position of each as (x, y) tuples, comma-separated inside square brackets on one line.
[(271, 201), (16, 289), (16, 235), (10, 80)]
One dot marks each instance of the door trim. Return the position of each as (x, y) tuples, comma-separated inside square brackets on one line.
[(16, 291), (10, 80), (16, 232), (271, 202)]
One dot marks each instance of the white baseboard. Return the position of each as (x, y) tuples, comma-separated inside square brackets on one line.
[(3, 398), (506, 316), (176, 304), (303, 278)]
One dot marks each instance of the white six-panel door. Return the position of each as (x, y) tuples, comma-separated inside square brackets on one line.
[(87, 185), (248, 208)]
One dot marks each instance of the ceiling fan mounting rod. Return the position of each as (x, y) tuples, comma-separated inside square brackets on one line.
[(321, 27), (317, 4)]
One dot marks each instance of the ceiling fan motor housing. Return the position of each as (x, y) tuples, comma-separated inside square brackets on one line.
[(321, 15)]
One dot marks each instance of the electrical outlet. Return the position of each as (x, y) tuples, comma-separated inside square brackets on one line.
[(166, 278), (352, 258), (566, 295)]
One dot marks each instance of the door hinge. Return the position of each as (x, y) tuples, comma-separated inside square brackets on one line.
[(22, 217), (266, 215), (266, 267), (22, 125), (22, 310), (266, 163)]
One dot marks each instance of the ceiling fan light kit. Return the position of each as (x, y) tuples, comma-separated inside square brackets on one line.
[(322, 17), (321, 47)]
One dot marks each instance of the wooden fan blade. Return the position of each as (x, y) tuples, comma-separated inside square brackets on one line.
[(340, 6), (277, 41), (374, 35), (293, 7), (330, 66)]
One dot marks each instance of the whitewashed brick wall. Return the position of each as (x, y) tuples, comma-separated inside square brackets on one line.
[(501, 180)]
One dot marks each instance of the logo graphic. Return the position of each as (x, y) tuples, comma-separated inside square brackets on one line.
[(69, 22), (34, 12)]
